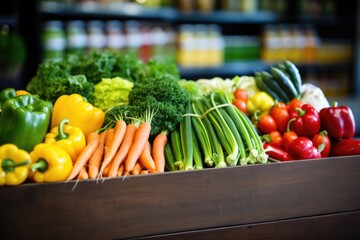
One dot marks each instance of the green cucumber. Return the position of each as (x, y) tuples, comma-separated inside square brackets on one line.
[(275, 86), (285, 82), (294, 74), (262, 87)]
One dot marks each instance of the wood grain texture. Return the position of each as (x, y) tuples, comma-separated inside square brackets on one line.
[(330, 227), (180, 201)]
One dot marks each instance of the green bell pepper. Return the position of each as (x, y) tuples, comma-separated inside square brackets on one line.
[(24, 121), (6, 94)]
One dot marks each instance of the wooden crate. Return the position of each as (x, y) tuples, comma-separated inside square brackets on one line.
[(192, 204)]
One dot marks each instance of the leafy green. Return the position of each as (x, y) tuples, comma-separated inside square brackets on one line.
[(192, 88), (53, 80), (78, 73), (96, 65), (162, 94), (111, 91)]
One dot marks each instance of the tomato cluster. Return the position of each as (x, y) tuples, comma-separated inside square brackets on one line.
[(293, 131), (240, 99), (296, 130)]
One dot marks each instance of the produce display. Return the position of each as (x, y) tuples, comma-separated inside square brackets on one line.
[(106, 114)]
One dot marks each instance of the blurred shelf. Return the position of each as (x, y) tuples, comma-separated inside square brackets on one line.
[(231, 69), (125, 12), (10, 20), (134, 11), (228, 17)]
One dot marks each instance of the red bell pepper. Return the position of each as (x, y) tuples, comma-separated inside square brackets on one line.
[(322, 142), (277, 153), (307, 121), (303, 148), (293, 105), (345, 147), (338, 121)]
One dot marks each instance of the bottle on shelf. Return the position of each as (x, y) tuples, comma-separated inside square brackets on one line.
[(96, 35), (76, 36), (186, 46), (312, 43), (145, 48), (133, 37), (270, 44), (115, 39), (215, 54), (54, 41)]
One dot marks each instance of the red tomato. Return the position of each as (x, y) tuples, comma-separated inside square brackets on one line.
[(281, 116), (266, 123), (288, 137), (322, 142), (240, 93), (273, 138), (241, 105)]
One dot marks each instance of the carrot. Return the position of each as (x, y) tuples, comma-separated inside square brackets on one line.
[(141, 137), (121, 169), (83, 173), (96, 158), (106, 170), (108, 138), (123, 150), (93, 140), (114, 145), (146, 159), (137, 168), (144, 171), (158, 151)]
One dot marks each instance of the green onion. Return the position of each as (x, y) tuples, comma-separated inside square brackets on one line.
[(197, 153), (252, 141), (218, 158), (223, 131), (186, 138), (202, 135), (169, 157), (176, 148)]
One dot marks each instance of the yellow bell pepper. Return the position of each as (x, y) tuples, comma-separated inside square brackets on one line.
[(69, 138), (80, 113), (15, 163), (261, 102), (50, 163), (21, 92)]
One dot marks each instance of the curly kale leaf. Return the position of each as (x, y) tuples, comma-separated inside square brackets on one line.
[(164, 95), (53, 80), (95, 66)]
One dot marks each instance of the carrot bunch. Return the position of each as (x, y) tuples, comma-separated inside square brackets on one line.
[(120, 151)]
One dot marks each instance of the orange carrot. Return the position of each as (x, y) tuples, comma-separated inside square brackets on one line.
[(137, 168), (123, 150), (158, 151), (96, 158), (83, 173), (108, 138), (93, 140), (146, 159), (141, 137), (114, 145), (121, 169), (144, 171)]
